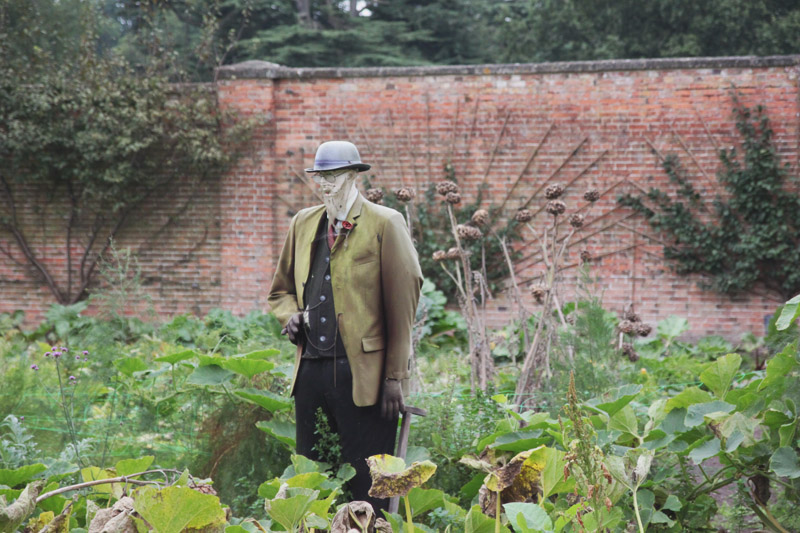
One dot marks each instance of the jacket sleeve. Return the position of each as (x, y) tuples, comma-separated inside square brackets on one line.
[(283, 294), (401, 280)]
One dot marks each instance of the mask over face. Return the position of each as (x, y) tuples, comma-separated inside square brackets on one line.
[(336, 191)]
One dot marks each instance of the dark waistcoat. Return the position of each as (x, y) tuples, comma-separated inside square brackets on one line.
[(322, 334)]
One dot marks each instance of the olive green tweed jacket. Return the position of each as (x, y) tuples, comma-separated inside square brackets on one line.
[(376, 284)]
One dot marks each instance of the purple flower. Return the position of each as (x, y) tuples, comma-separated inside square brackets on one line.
[(34, 367), (56, 354), (85, 353), (54, 348), (77, 357), (47, 354), (72, 380), (22, 419), (64, 349)]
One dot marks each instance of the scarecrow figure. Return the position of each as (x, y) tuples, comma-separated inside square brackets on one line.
[(346, 289)]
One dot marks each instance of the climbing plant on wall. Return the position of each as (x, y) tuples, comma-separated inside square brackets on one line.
[(748, 236)]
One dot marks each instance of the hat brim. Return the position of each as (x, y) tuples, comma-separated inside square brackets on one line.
[(361, 167)]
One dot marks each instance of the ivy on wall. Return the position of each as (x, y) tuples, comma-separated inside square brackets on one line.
[(747, 237)]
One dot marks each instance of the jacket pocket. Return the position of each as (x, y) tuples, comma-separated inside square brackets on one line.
[(372, 344)]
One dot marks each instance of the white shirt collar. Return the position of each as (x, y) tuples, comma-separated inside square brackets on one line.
[(342, 215)]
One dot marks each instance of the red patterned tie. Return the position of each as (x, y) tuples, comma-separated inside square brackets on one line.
[(332, 234)]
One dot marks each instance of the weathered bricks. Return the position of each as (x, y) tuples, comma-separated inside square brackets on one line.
[(408, 122)]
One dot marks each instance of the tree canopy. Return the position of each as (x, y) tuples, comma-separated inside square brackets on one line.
[(201, 34)]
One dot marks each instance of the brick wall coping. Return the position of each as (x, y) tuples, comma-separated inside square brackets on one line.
[(267, 70)]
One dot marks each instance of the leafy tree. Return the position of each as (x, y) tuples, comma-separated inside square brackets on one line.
[(748, 236), (92, 140), (569, 30)]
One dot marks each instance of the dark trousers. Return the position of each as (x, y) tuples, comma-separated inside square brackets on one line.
[(362, 431)]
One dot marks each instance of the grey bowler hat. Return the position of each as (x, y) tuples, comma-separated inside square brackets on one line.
[(335, 155)]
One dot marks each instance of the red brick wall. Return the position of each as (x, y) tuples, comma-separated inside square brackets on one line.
[(604, 120)]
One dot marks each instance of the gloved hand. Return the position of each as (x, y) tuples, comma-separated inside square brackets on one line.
[(392, 401), (294, 328)]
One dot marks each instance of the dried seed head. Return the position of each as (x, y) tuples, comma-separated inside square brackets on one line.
[(553, 191), (453, 198), (374, 195), (556, 207), (439, 255), (576, 221), (468, 233), (480, 217), (405, 194), (539, 292), (445, 187), (523, 215), (631, 315), (592, 195), (643, 330), (629, 351), (626, 326), (453, 253), (586, 256), (608, 503)]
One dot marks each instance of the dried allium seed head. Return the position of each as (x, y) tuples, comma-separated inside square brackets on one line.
[(592, 195), (553, 191), (631, 315), (556, 207), (539, 292), (453, 198), (629, 351), (524, 215), (453, 253), (586, 256), (576, 221), (468, 233), (374, 195), (405, 194), (643, 330), (480, 217), (439, 255), (626, 326), (445, 187)]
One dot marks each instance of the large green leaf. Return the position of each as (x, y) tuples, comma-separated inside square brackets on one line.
[(696, 414), (552, 477), (173, 509), (778, 367), (738, 429), (704, 451), (672, 327), (789, 313), (176, 357), (18, 476), (281, 430), (423, 500), (126, 467), (719, 375), (211, 375), (688, 396), (289, 511), (784, 463), (391, 477), (527, 517), (625, 420), (477, 522), (247, 367), (129, 365), (611, 402), (261, 354), (268, 400), (519, 441)]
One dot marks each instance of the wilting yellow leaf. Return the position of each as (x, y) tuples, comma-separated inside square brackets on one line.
[(391, 477)]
